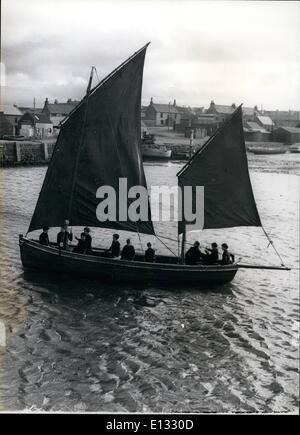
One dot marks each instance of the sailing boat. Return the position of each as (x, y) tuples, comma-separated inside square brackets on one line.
[(99, 143)]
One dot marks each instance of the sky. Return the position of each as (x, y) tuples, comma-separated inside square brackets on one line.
[(227, 51)]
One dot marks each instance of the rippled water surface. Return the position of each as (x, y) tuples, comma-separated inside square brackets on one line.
[(72, 344)]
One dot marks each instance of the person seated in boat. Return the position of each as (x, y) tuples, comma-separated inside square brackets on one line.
[(88, 240), (149, 253), (194, 255), (212, 254), (64, 237), (44, 238), (128, 252), (114, 250), (81, 245), (227, 257)]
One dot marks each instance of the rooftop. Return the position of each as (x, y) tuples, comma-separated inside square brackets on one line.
[(165, 108), (250, 111), (38, 118), (254, 126), (265, 120), (42, 118), (8, 109), (61, 108), (221, 108), (283, 114), (290, 129)]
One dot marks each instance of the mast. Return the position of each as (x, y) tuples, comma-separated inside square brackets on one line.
[(34, 123), (88, 91), (183, 243), (92, 91)]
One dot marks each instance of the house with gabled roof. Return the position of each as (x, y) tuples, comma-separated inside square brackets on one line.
[(287, 135), (265, 122), (36, 125), (12, 114), (284, 118), (158, 114), (58, 111), (220, 110), (223, 111)]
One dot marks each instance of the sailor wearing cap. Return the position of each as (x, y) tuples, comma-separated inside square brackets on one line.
[(114, 250), (44, 238)]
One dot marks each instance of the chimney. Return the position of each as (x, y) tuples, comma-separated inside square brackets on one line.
[(233, 105), (46, 101), (151, 101), (69, 100), (55, 101), (174, 104)]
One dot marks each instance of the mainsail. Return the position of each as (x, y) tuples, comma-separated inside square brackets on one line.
[(98, 144), (221, 167)]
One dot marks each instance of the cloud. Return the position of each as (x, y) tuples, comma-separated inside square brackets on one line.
[(229, 51)]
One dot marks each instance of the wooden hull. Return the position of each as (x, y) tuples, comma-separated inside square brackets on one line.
[(266, 151), (156, 153), (36, 256), (295, 149)]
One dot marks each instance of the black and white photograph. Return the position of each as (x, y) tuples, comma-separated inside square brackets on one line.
[(149, 210)]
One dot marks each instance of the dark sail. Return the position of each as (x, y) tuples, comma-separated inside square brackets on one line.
[(98, 144), (221, 167)]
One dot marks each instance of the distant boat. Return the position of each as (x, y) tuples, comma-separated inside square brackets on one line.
[(150, 150), (261, 150), (99, 143), (180, 155), (295, 148), (154, 151)]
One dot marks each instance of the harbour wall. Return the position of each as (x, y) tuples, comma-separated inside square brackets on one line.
[(14, 153)]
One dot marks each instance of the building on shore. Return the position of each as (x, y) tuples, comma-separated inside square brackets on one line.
[(286, 135), (264, 122), (222, 111), (58, 111), (35, 125), (250, 113), (25, 109), (10, 116), (254, 132), (162, 114), (6, 128), (202, 125), (283, 118)]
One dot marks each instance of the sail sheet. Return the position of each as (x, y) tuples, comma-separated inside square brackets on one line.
[(221, 167), (98, 144)]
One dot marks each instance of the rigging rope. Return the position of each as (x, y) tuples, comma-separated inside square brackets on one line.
[(166, 246), (273, 246), (97, 74)]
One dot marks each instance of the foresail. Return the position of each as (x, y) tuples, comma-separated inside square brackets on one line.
[(221, 167), (98, 144)]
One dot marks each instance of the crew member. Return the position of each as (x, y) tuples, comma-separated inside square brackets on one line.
[(128, 252), (212, 254), (149, 253), (193, 255), (64, 236), (114, 250), (44, 238), (227, 257)]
